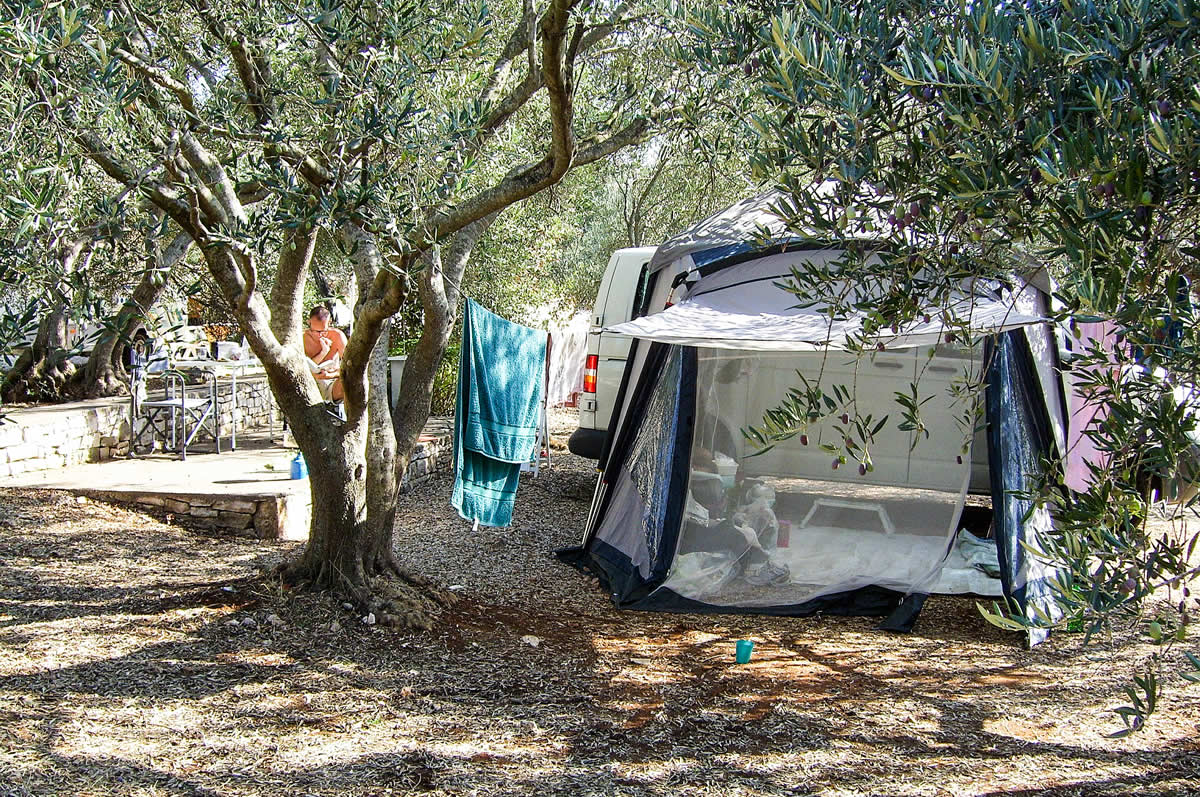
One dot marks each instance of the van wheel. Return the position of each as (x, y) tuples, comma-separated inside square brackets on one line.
[(127, 349)]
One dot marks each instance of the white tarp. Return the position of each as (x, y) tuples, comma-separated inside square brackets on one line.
[(568, 351), (754, 223), (745, 308)]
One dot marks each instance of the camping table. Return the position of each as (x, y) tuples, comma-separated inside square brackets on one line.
[(221, 369)]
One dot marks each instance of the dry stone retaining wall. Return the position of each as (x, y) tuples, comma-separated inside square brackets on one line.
[(433, 453), (283, 515), (263, 517), (56, 437), (46, 437)]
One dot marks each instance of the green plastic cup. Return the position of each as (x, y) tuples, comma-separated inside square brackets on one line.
[(744, 648)]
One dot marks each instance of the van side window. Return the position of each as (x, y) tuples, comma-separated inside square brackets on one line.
[(641, 296)]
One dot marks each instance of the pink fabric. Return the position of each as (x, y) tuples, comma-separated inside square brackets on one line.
[(1084, 412)]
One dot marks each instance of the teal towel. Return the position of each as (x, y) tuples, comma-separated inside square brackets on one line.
[(501, 376)]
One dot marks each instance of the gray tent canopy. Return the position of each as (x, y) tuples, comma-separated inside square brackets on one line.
[(689, 516)]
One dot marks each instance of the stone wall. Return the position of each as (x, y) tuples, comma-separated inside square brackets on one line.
[(264, 517), (55, 436), (282, 515), (255, 408), (40, 438), (433, 453)]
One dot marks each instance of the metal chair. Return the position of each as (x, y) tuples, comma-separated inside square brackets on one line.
[(176, 418)]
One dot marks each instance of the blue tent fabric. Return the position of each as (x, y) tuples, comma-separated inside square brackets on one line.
[(501, 381), (1019, 446)]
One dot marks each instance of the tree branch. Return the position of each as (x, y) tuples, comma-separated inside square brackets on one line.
[(206, 210), (527, 181), (209, 169), (158, 192), (159, 77), (504, 107), (248, 63), (637, 131), (287, 294)]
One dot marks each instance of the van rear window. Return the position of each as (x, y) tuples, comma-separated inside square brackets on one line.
[(641, 297)]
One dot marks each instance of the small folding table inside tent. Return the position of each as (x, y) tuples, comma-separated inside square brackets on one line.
[(688, 516)]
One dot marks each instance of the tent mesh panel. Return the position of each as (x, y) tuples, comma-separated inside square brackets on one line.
[(784, 527), (650, 457)]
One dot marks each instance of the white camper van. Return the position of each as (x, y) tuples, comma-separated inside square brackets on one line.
[(621, 297)]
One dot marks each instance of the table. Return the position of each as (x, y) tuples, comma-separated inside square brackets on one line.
[(219, 369)]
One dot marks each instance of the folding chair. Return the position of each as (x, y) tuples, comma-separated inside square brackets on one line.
[(176, 418)]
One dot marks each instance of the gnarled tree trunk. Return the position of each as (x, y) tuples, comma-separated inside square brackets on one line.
[(354, 486), (104, 374), (43, 371)]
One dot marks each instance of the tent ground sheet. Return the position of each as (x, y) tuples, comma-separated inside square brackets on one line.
[(837, 536)]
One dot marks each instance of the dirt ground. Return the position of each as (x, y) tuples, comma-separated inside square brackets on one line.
[(141, 658)]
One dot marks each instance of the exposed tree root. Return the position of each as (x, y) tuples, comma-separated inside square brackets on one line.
[(106, 383), (394, 595), (47, 379)]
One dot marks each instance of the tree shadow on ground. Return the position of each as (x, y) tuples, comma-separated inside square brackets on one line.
[(781, 726), (206, 694)]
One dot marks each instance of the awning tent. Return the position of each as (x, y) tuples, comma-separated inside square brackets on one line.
[(689, 515)]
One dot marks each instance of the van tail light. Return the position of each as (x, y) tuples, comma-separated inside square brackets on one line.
[(589, 373)]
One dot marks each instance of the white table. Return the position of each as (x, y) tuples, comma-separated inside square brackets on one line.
[(219, 369)]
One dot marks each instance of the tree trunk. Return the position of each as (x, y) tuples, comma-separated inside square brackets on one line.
[(104, 374), (441, 278), (348, 554), (321, 281), (346, 297), (351, 475), (43, 372), (382, 482)]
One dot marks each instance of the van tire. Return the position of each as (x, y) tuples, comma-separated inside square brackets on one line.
[(587, 443), (140, 336)]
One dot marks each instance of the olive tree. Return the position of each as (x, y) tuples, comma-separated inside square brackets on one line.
[(69, 235), (963, 140), (256, 128)]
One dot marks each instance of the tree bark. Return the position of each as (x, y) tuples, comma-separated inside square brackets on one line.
[(321, 281), (440, 292), (382, 483), (354, 486), (43, 372), (104, 374)]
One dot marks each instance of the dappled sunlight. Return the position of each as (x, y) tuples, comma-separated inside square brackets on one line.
[(197, 675)]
